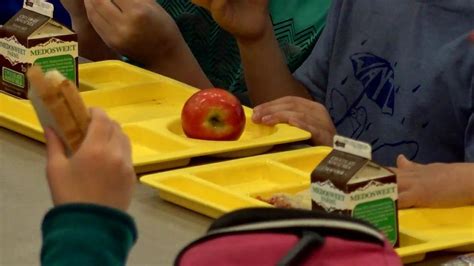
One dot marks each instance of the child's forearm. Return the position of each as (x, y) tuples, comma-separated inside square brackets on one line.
[(179, 63), (266, 73)]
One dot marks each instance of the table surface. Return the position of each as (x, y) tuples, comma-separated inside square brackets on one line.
[(164, 228)]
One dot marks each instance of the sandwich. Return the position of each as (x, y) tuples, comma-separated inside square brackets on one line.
[(58, 106)]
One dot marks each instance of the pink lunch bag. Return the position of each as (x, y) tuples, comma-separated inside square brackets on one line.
[(270, 236)]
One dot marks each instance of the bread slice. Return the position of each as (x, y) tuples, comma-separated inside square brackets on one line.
[(58, 106)]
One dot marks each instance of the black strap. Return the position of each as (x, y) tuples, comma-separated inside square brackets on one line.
[(254, 217), (308, 242)]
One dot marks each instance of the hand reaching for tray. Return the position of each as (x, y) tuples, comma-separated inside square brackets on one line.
[(299, 112), (434, 185), (100, 172)]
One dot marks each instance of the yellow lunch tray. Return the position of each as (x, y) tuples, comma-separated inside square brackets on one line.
[(216, 189), (148, 106)]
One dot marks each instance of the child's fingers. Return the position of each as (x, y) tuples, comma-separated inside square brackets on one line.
[(273, 109), (119, 141), (404, 163), (56, 162), (282, 104), (317, 135), (290, 103), (283, 116), (265, 106), (55, 147), (99, 21), (100, 128), (124, 5), (202, 3), (109, 10), (405, 181), (296, 122), (406, 200), (219, 8)]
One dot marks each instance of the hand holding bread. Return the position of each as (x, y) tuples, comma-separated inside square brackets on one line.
[(59, 106), (100, 172), (89, 157)]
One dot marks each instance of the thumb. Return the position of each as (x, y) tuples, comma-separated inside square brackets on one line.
[(403, 162), (54, 146)]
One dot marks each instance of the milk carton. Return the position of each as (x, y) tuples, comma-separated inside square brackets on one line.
[(32, 37), (348, 182)]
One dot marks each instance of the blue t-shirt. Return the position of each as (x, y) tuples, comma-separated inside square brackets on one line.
[(9, 8), (398, 75)]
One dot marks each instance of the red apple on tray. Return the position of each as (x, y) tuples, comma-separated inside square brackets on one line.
[(213, 114)]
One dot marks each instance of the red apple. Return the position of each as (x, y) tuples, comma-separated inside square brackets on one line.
[(213, 114)]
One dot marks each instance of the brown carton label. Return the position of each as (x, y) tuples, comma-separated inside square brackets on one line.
[(24, 23), (339, 167)]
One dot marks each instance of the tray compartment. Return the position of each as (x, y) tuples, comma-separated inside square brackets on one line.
[(196, 194), (110, 74), (253, 177), (306, 161), (138, 103), (147, 143), (442, 224)]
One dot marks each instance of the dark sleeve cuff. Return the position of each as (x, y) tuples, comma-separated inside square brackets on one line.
[(87, 234)]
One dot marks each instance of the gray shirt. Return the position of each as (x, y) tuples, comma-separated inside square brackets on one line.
[(398, 74)]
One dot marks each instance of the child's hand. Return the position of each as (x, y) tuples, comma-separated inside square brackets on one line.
[(434, 185), (139, 29), (246, 20), (75, 8), (100, 172), (299, 112)]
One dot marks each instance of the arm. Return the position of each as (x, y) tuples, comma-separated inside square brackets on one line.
[(84, 234), (266, 73), (91, 190), (267, 76), (444, 184), (434, 185), (179, 63)]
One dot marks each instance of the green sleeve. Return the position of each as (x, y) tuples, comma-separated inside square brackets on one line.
[(86, 234)]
